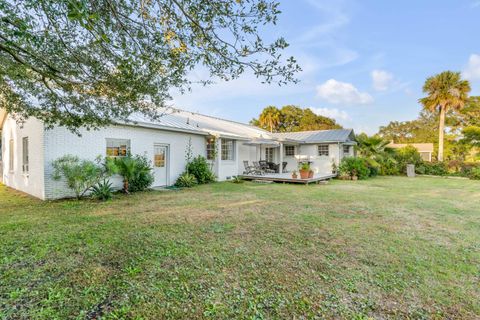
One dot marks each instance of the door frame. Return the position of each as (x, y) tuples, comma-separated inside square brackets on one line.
[(167, 159)]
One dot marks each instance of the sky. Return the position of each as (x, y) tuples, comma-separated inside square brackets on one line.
[(364, 62)]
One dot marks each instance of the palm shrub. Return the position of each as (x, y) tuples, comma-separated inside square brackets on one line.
[(200, 168), (186, 180), (103, 190), (351, 167), (143, 178), (136, 172), (80, 175)]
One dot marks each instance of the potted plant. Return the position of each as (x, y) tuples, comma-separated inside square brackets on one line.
[(304, 170), (294, 174), (310, 174)]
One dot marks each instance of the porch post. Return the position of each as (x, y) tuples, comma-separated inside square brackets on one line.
[(281, 158)]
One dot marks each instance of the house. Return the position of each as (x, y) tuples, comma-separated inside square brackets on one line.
[(425, 149), (28, 150)]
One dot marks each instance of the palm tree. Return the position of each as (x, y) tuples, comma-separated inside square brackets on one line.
[(445, 91), (270, 117), (370, 147), (126, 167)]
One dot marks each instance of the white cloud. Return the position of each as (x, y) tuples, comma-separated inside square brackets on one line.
[(342, 92), (381, 80), (331, 113), (472, 71)]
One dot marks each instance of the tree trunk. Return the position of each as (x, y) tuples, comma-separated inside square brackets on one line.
[(441, 132)]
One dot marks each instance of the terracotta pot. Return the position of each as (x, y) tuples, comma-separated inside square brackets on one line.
[(354, 178), (303, 174), (310, 174), (294, 176)]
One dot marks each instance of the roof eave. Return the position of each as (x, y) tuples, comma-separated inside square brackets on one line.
[(161, 127)]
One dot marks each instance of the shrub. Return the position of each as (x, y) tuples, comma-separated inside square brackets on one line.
[(305, 166), (103, 190), (475, 174), (143, 178), (80, 175), (200, 168), (237, 179), (186, 180), (136, 172), (407, 155), (432, 168), (388, 166), (351, 166)]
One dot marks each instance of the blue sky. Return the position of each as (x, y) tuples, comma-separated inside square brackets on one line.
[(364, 62)]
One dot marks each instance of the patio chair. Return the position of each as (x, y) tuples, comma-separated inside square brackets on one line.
[(265, 167), (284, 166), (258, 168), (248, 168)]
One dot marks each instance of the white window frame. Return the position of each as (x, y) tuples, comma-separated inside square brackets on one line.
[(211, 148), (290, 148), (270, 154), (25, 154), (348, 149), (228, 149), (11, 155), (321, 150), (113, 143)]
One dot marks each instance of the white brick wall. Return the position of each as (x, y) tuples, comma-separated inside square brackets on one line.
[(31, 183), (91, 144)]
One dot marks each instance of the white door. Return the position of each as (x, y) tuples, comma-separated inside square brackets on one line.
[(160, 165)]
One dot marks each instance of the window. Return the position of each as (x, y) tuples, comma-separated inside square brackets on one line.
[(25, 155), (290, 150), (270, 154), (159, 157), (425, 156), (118, 147), (227, 149), (211, 148), (323, 150), (11, 153), (346, 150)]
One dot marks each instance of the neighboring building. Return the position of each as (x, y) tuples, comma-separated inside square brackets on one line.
[(28, 150), (425, 149)]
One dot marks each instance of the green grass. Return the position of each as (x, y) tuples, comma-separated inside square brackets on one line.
[(382, 248)]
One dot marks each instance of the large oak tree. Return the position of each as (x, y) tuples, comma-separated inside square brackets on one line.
[(87, 62)]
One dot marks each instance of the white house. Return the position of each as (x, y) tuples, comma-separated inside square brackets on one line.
[(28, 150)]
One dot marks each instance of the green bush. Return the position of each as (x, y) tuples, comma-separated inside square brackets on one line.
[(102, 190), (80, 175), (136, 172), (351, 166), (388, 166), (143, 178), (186, 180), (407, 155), (475, 173), (200, 168), (432, 168), (237, 179)]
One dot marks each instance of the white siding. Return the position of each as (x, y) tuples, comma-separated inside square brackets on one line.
[(33, 182), (59, 142)]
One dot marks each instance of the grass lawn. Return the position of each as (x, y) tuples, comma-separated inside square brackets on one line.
[(382, 248)]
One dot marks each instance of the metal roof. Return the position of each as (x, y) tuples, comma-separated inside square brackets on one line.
[(186, 121), (337, 135)]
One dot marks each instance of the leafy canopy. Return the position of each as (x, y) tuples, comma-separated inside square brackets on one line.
[(445, 90), (88, 62), (292, 119)]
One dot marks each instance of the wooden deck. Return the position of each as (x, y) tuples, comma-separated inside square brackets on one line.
[(287, 178)]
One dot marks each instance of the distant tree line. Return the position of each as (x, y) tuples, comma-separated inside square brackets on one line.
[(292, 118)]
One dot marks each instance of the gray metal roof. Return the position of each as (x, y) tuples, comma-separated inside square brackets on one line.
[(337, 135), (186, 121)]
